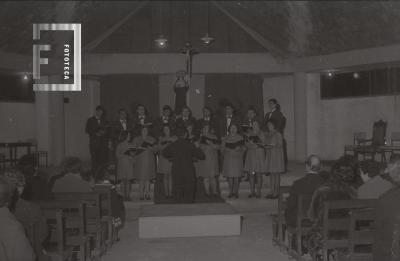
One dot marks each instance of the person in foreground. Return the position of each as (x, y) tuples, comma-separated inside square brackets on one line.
[(182, 154), (72, 181), (28, 213), (386, 241), (14, 245), (375, 181), (340, 186), (304, 186)]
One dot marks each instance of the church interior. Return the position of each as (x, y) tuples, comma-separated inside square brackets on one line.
[(306, 91)]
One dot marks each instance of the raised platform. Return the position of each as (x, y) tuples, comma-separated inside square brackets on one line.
[(188, 220)]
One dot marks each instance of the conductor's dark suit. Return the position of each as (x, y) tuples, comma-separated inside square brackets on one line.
[(98, 138), (182, 153)]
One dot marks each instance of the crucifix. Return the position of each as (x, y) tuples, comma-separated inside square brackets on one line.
[(189, 51), (182, 82)]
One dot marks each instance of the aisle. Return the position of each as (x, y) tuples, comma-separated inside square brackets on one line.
[(253, 244)]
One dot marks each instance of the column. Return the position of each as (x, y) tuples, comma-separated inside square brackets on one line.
[(300, 115), (50, 135)]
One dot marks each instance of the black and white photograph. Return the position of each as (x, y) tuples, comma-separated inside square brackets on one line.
[(213, 130)]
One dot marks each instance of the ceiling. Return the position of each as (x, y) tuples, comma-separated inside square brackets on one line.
[(290, 28)]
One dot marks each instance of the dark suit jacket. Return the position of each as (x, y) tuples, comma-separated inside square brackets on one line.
[(93, 126), (222, 128), (387, 210), (136, 123), (279, 119), (183, 153), (183, 123), (118, 129), (303, 186)]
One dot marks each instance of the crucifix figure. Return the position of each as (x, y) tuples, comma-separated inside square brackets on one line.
[(182, 82)]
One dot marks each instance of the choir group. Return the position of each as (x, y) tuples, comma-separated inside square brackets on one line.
[(237, 148)]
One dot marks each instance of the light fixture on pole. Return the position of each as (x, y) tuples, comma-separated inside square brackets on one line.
[(161, 41), (207, 39)]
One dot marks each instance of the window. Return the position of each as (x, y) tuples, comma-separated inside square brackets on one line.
[(16, 88), (365, 83)]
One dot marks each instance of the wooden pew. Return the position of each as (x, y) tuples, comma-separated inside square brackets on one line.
[(92, 217), (278, 220), (361, 235), (303, 226), (340, 223), (67, 223), (104, 191)]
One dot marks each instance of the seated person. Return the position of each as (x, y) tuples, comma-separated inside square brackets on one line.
[(27, 213), (386, 247), (340, 186), (375, 181), (14, 245), (72, 181), (304, 186), (36, 186)]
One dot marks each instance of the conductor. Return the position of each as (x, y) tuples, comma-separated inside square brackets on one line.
[(182, 154)]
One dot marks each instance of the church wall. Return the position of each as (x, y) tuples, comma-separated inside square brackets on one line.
[(332, 123), (17, 121), (340, 118)]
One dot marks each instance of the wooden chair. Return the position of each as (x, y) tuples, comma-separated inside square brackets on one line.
[(303, 226), (69, 234), (339, 223), (371, 147), (104, 191), (39, 153), (359, 137), (361, 234), (278, 220), (93, 224), (395, 248)]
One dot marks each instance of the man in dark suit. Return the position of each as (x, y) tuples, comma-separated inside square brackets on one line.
[(386, 245), (251, 117), (207, 119), (226, 120), (277, 116), (97, 129), (185, 118), (166, 118), (304, 186), (182, 154), (140, 119), (120, 126)]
